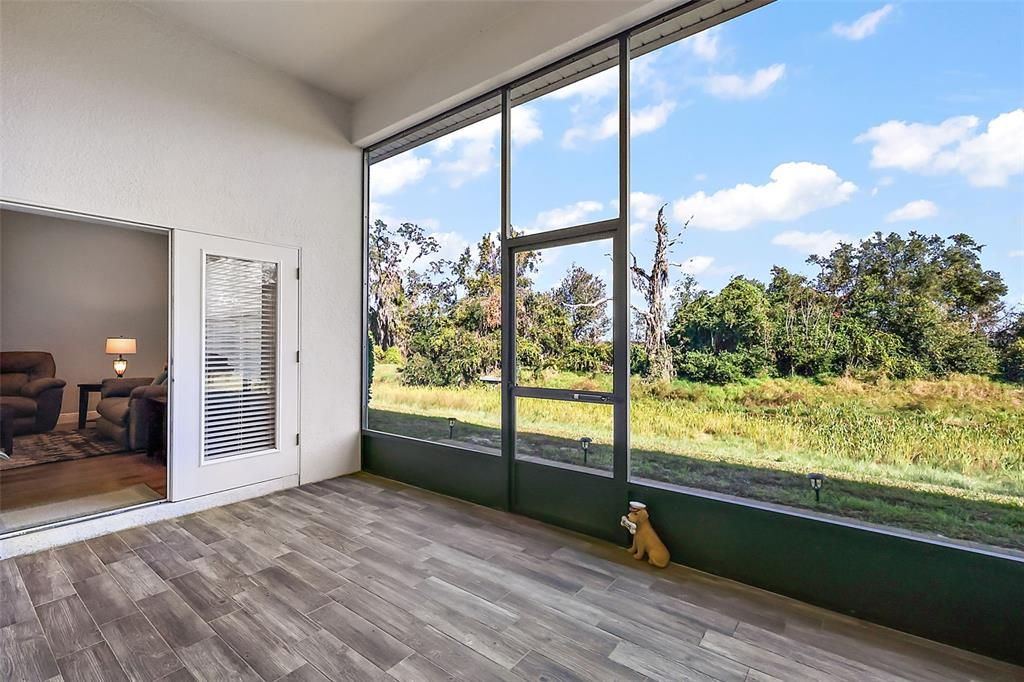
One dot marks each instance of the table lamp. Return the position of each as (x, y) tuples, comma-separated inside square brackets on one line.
[(120, 347)]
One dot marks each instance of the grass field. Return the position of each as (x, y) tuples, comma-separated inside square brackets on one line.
[(943, 457)]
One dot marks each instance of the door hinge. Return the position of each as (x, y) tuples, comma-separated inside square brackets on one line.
[(296, 356), (296, 439), (297, 271)]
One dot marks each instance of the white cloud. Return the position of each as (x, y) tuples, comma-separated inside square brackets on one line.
[(700, 177), (649, 119), (986, 159), (810, 243), (592, 87), (696, 265), (391, 175), (864, 26), (643, 210), (915, 210), (705, 44), (641, 121), (567, 216), (734, 86), (472, 151), (1019, 253), (794, 190)]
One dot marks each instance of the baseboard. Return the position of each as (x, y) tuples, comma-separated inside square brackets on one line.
[(109, 522), (72, 417)]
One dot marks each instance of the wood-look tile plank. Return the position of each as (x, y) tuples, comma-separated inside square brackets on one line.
[(202, 530), (243, 559), (377, 646), (140, 649), (138, 537), (93, 664), (221, 574), (176, 622), (320, 577), (202, 596), (79, 561), (278, 617), (104, 598), (536, 667), (306, 673), (658, 667), (264, 652), (760, 659), (416, 668), (338, 661), (212, 659), (136, 578), (181, 541), (68, 625), (291, 589), (164, 561), (17, 605), (25, 653), (109, 548), (44, 577), (466, 603)]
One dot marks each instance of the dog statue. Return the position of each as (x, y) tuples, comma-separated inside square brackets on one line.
[(645, 540)]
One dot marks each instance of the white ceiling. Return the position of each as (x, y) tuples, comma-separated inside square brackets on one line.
[(350, 48)]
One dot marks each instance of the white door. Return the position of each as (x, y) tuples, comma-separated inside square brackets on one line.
[(234, 399)]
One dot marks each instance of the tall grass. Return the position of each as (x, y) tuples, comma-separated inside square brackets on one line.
[(963, 434)]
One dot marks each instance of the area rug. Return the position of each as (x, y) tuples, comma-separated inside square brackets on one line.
[(77, 507), (58, 446)]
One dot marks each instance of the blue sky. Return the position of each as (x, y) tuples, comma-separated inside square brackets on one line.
[(780, 133)]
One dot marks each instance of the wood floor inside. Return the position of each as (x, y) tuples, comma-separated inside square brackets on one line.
[(68, 480), (359, 578)]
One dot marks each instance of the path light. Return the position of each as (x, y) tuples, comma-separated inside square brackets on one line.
[(816, 481), (451, 427), (585, 444)]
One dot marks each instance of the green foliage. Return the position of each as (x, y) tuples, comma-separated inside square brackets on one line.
[(1011, 361), (391, 356), (370, 356)]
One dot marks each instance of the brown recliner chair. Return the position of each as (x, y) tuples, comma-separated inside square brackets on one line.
[(124, 413), (29, 390)]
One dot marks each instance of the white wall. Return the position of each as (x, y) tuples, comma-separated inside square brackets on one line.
[(66, 285), (108, 110)]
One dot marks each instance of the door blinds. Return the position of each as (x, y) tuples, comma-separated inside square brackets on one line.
[(239, 357)]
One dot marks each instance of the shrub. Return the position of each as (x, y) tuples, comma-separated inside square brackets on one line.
[(391, 356), (711, 368), (1011, 361)]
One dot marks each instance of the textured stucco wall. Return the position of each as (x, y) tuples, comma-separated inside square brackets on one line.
[(66, 285), (109, 110)]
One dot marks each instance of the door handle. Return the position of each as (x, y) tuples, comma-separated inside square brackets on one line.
[(590, 396)]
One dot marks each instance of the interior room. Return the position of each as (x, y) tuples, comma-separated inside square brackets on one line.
[(83, 352), (511, 340)]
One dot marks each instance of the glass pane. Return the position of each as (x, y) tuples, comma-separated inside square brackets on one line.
[(239, 357), (565, 431), (434, 306), (791, 339), (565, 154), (564, 316)]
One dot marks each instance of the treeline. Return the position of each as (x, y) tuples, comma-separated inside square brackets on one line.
[(889, 306)]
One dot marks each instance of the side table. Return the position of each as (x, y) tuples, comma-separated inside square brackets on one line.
[(83, 401)]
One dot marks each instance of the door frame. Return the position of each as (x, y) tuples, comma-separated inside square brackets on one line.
[(568, 496)]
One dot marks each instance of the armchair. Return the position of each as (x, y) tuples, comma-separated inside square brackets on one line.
[(124, 415), (29, 390)]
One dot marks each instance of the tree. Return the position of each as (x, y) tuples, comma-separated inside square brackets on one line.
[(931, 293), (585, 297), (392, 253), (652, 285)]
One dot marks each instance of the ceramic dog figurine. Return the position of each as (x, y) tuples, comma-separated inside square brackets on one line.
[(645, 540)]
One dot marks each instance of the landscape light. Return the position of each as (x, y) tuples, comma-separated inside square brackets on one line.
[(816, 482), (585, 444), (451, 427)]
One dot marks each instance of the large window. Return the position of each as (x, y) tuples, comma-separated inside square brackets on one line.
[(824, 279), (843, 265), (434, 286)]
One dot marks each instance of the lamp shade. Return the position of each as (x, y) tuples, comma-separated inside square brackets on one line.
[(120, 346)]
